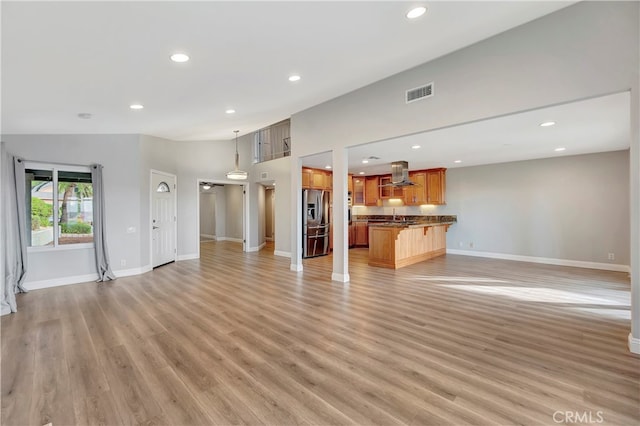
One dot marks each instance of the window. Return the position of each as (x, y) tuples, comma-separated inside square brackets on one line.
[(163, 187), (272, 142), (59, 205)]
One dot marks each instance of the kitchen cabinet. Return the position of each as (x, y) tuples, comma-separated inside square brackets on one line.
[(328, 181), (362, 234), (389, 191), (357, 195), (436, 185), (306, 178), (350, 184), (352, 234), (417, 194), (371, 191), (317, 179)]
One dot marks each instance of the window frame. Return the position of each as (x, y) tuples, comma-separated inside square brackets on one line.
[(55, 168)]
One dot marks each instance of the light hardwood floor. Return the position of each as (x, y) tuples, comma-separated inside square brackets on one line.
[(236, 338)]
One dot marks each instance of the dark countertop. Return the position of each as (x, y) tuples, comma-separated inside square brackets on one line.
[(406, 221)]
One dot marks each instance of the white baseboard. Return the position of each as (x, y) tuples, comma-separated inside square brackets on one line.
[(282, 253), (190, 256), (545, 260), (260, 247), (235, 240), (133, 271), (268, 238), (296, 267), (56, 282), (343, 278), (634, 344), (78, 279), (213, 237)]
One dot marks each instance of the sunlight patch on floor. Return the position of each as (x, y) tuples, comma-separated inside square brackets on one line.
[(614, 304), (462, 279)]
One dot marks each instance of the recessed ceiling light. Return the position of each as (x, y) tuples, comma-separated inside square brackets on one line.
[(416, 12), (327, 166), (179, 57), (560, 149), (458, 161), (365, 161), (230, 111), (85, 115), (136, 106), (361, 173), (547, 124), (415, 147), (294, 77)]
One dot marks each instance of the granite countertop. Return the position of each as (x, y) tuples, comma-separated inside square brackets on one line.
[(406, 221)]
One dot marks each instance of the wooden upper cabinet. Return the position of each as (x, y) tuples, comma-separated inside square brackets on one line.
[(389, 191), (328, 181), (316, 179), (436, 186), (306, 178), (357, 194), (350, 184), (371, 190), (417, 194)]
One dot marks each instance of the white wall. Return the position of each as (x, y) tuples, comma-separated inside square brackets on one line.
[(574, 208), (278, 171), (207, 213), (234, 211), (155, 154), (3, 169), (220, 211), (119, 155)]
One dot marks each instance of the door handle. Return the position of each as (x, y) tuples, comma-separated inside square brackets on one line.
[(156, 227)]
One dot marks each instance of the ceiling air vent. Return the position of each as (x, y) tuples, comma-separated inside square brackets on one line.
[(264, 175), (418, 93)]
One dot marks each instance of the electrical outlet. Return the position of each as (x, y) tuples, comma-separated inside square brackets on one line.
[(123, 262), (612, 256), (471, 244), (461, 244)]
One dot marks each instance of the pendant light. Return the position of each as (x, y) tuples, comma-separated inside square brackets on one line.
[(237, 174)]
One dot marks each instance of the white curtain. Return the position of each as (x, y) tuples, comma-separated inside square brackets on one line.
[(16, 231), (99, 226)]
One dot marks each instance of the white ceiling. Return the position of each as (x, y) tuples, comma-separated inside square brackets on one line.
[(60, 59), (594, 125)]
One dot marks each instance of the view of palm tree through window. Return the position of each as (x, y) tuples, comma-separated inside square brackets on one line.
[(60, 217)]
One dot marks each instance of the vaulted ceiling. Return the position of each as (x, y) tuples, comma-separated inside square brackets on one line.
[(62, 59)]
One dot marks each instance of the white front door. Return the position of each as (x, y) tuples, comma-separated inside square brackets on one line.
[(163, 218)]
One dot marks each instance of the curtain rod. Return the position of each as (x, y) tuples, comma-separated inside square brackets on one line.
[(54, 163)]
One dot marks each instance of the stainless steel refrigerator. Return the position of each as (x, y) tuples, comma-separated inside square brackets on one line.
[(315, 222)]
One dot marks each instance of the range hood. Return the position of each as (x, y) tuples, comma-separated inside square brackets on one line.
[(400, 174)]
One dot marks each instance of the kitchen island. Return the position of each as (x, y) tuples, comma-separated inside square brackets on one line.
[(398, 244)]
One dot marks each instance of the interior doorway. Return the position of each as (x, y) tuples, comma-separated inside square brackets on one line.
[(163, 218), (221, 212), (269, 213)]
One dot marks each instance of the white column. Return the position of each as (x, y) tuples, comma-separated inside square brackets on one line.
[(296, 214), (340, 166)]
